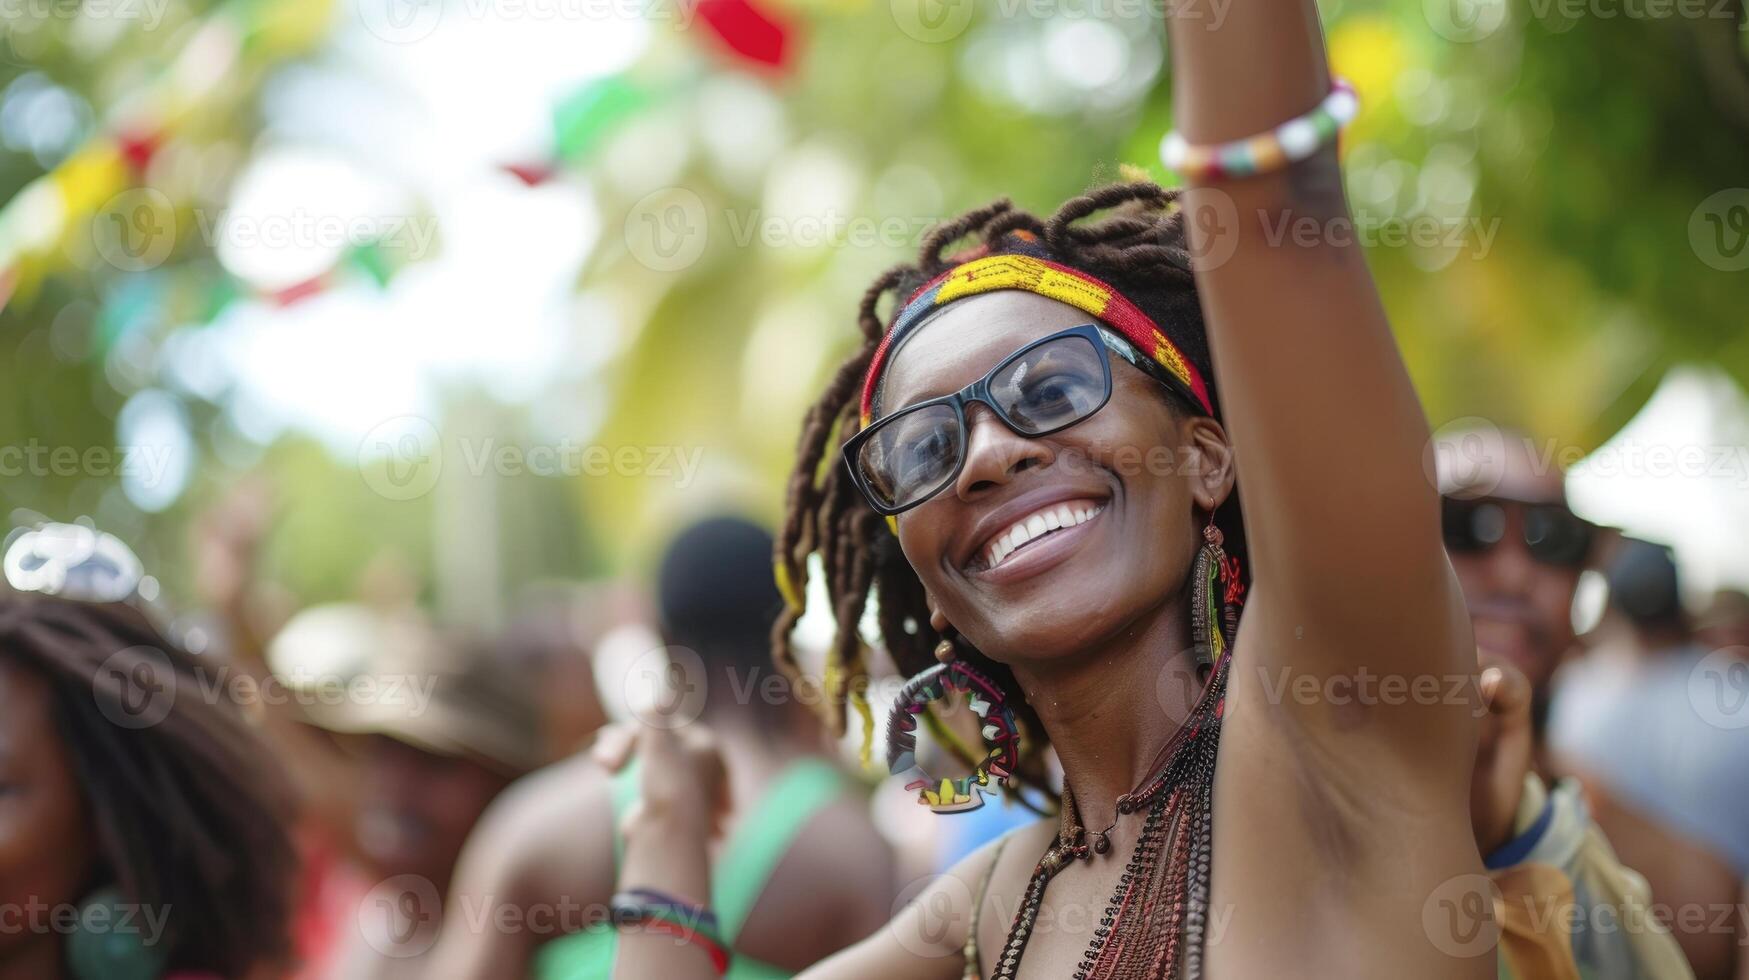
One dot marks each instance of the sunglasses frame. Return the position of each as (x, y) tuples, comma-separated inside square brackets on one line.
[(979, 392), (1593, 532)]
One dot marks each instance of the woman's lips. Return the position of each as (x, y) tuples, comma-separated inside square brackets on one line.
[(1041, 523), (1038, 540)]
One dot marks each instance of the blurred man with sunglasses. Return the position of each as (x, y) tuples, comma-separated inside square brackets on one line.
[(1518, 552), (1517, 549)]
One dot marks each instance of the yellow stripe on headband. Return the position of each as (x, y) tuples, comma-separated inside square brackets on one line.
[(1023, 272)]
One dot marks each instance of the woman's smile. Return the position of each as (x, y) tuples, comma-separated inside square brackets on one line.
[(1033, 532)]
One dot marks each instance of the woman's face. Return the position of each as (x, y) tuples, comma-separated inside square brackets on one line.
[(45, 852), (1142, 471)]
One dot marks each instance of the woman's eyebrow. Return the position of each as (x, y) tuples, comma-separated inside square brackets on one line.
[(925, 394)]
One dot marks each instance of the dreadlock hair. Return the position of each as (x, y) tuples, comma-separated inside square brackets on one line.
[(190, 813), (1140, 250)]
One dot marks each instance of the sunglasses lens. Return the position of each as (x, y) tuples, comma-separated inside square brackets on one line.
[(1472, 525), (1052, 386), (910, 455), (1556, 536)]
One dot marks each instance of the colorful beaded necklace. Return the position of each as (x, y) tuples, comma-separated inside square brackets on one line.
[(1154, 925)]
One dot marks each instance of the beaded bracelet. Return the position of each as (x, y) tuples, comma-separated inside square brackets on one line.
[(670, 916), (637, 900), (1291, 142)]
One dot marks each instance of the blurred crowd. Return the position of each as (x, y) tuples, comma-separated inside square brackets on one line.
[(245, 789)]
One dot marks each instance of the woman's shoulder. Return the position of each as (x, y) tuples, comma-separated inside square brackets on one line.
[(1010, 858), (554, 825)]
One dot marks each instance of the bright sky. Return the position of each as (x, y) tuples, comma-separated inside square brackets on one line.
[(489, 293), (1678, 473)]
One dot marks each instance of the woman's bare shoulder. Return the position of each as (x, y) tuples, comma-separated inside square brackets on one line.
[(553, 828), (927, 936), (1002, 859)]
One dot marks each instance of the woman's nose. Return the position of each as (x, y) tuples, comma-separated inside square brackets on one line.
[(994, 453)]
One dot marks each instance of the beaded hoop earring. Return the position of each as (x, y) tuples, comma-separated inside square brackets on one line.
[(1001, 737)]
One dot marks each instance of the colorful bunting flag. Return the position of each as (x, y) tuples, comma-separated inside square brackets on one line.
[(754, 34)]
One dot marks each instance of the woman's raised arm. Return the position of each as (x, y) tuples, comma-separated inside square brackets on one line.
[(1342, 520)]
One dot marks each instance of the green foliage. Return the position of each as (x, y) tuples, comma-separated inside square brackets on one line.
[(1574, 155)]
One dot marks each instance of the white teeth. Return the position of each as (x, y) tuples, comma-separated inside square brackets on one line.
[(1035, 526)]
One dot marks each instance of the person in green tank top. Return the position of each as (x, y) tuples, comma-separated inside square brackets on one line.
[(799, 869)]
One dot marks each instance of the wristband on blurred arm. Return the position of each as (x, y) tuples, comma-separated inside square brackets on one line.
[(663, 913)]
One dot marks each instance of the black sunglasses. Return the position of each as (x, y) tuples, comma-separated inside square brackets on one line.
[(1052, 383), (1553, 534)]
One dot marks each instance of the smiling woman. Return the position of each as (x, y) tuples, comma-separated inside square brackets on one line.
[(994, 424), (1216, 819)]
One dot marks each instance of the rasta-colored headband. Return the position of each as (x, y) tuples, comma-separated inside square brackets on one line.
[(1046, 278)]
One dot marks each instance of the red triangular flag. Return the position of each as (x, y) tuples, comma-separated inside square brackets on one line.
[(750, 32), (531, 174)]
